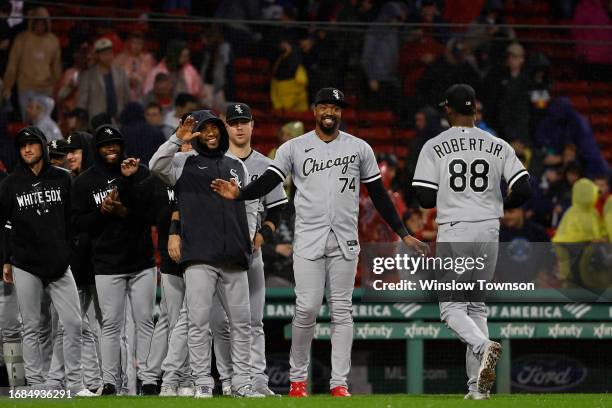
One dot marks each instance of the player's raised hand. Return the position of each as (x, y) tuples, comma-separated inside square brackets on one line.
[(185, 129), (226, 189), (129, 166), (420, 247)]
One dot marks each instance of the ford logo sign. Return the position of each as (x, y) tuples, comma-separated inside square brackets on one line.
[(547, 373)]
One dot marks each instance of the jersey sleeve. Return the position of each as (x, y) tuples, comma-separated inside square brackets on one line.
[(426, 173), (275, 197), (283, 161), (513, 168), (369, 170)]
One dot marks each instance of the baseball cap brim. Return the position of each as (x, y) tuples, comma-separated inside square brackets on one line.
[(337, 102), (237, 118)]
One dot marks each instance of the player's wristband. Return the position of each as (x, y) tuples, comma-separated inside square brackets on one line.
[(267, 233), (175, 227)]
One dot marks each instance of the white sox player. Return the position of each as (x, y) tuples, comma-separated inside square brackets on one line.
[(460, 172), (327, 167)]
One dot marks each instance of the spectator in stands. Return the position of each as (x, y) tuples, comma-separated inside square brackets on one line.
[(539, 88), (427, 126), (506, 95), (153, 116), (597, 57), (6, 36), (241, 35), (38, 113), (322, 60), (380, 57), (524, 256), (479, 120), (523, 151), (162, 93), (34, 62), (216, 68), (414, 220), (183, 104), (581, 224), (136, 63), (552, 196), (603, 185), (100, 119), (141, 138), (349, 42), (184, 78), (485, 35), (429, 13), (287, 132), (289, 86), (451, 67), (68, 85), (103, 87), (75, 120), (563, 125)]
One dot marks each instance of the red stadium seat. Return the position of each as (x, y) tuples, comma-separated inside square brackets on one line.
[(376, 135), (241, 64), (581, 103), (575, 87), (378, 118)]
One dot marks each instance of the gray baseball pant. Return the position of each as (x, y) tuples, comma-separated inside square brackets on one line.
[(48, 318), (172, 296), (221, 329), (112, 290), (90, 364), (468, 320), (176, 367), (10, 328), (336, 273), (65, 298), (232, 286)]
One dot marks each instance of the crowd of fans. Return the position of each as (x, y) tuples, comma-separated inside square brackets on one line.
[(100, 77)]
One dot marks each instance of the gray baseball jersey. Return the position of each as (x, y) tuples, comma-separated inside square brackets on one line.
[(327, 177), (256, 163), (466, 166)]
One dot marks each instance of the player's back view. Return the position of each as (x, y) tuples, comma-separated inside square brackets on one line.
[(460, 172)]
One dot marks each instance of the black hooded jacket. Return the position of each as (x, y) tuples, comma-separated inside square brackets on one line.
[(119, 245), (37, 210), (213, 230), (141, 139)]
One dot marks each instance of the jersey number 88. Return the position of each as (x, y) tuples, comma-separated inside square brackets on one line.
[(478, 175)]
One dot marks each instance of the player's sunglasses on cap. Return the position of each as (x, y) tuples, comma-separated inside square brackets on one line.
[(330, 95), (461, 98), (236, 112)]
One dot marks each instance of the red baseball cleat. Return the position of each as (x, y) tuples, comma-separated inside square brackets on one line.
[(340, 391), (298, 389)]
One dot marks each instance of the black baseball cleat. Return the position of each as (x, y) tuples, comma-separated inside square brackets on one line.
[(149, 389), (109, 389)]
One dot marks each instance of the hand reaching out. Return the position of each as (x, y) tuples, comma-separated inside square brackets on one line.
[(185, 130), (129, 166), (226, 189)]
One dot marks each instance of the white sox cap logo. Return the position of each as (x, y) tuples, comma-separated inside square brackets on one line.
[(109, 131), (336, 94), (69, 140), (54, 144), (238, 109)]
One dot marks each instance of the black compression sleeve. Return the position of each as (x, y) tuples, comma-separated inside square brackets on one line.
[(260, 187), (519, 193), (385, 207), (426, 196), (273, 214)]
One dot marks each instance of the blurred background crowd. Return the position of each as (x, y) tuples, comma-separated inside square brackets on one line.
[(542, 71)]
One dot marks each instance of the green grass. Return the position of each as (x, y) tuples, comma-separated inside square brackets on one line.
[(370, 401)]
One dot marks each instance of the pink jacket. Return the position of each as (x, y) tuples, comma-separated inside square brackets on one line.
[(189, 80)]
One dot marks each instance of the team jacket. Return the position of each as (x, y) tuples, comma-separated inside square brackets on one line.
[(36, 210), (120, 245), (165, 203), (213, 230)]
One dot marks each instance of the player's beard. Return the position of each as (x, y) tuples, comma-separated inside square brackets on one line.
[(328, 130)]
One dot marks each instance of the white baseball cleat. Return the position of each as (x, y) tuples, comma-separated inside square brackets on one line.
[(486, 375), (475, 395), (85, 393), (265, 390), (226, 388), (200, 392), (168, 390)]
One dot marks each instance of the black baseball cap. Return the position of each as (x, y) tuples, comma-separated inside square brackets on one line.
[(77, 140), (57, 147), (461, 98), (108, 134), (238, 111), (330, 95)]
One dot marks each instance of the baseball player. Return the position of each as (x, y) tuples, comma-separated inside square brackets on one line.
[(459, 172), (35, 201), (215, 244), (122, 252), (240, 125), (327, 167)]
